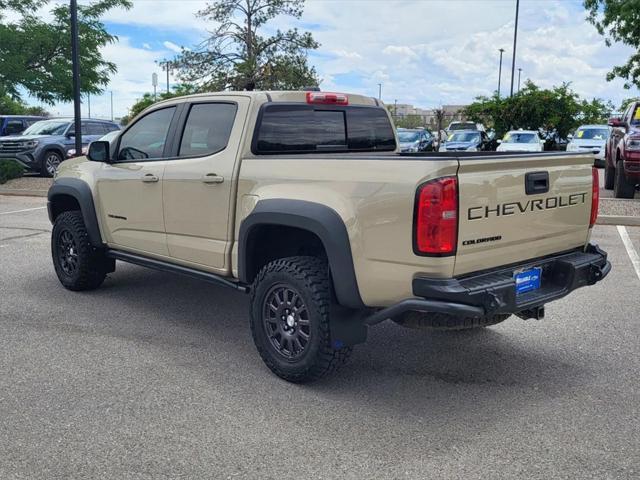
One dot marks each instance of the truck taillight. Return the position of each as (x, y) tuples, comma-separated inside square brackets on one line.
[(595, 196), (436, 217), (325, 98)]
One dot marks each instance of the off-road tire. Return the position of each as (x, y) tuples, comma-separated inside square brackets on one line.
[(89, 268), (609, 177), (309, 278), (444, 322), (622, 188)]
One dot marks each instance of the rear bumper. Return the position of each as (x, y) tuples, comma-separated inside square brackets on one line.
[(493, 292)]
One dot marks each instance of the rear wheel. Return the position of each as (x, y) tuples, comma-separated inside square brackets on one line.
[(290, 303), (78, 265), (622, 188), (444, 322), (609, 177)]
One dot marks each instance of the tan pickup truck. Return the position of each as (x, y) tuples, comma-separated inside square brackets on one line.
[(301, 200)]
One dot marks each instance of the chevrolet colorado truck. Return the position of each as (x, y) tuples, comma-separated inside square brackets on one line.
[(301, 200), (622, 153)]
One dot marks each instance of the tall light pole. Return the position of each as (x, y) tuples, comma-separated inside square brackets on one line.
[(112, 105), (519, 73), (75, 68), (500, 70), (515, 40), (395, 108), (89, 104), (379, 91), (167, 65)]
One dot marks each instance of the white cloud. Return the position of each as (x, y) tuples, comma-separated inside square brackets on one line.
[(406, 53), (426, 53), (171, 46)]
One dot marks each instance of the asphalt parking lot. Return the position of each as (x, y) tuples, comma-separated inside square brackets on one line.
[(155, 376)]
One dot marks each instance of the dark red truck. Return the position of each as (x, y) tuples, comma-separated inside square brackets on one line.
[(622, 157)]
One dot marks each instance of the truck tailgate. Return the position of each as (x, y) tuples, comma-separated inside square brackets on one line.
[(515, 208)]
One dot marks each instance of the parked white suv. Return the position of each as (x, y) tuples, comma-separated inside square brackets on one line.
[(521, 141), (591, 138)]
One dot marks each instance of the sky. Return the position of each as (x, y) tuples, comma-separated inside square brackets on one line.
[(424, 52)]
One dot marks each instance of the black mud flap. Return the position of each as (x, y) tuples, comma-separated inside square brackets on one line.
[(347, 326)]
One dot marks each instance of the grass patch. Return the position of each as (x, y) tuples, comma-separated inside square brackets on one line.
[(10, 169)]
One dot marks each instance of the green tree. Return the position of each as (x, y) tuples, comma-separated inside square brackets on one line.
[(11, 106), (625, 103), (147, 100), (556, 110), (35, 56), (239, 54), (619, 21)]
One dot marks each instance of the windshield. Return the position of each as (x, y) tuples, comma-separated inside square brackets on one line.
[(47, 127), (592, 133), (465, 137), (635, 118), (515, 137), (110, 136), (408, 136)]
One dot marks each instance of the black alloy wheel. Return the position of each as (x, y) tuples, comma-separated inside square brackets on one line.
[(286, 321)]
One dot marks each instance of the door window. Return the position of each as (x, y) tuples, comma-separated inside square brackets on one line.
[(95, 129), (207, 129), (147, 137)]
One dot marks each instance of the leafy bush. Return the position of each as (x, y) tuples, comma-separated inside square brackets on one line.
[(10, 169)]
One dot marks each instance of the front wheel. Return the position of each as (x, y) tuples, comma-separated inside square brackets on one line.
[(50, 163), (290, 303), (78, 265), (609, 177)]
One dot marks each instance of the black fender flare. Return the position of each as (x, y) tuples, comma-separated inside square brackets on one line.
[(80, 190), (318, 219)]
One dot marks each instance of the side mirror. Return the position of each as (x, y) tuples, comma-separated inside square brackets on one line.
[(617, 122), (570, 137), (499, 141), (98, 151)]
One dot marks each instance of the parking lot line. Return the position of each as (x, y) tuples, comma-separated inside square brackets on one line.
[(23, 210), (633, 255)]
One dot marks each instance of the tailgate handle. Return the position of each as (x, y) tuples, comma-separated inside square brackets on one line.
[(536, 182)]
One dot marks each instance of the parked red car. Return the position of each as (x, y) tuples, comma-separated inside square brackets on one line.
[(622, 168)]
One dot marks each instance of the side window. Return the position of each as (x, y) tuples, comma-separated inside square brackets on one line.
[(95, 129), (14, 126), (147, 137), (207, 129)]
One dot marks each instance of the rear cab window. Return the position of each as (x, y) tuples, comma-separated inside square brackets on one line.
[(286, 128)]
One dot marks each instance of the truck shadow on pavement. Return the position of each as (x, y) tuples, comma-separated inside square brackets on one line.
[(173, 313)]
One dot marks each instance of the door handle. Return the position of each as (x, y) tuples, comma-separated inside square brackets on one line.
[(212, 178), (149, 178)]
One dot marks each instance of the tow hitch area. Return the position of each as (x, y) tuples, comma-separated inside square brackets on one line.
[(535, 312)]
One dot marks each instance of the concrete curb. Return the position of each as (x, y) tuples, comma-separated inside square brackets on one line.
[(618, 220), (23, 192)]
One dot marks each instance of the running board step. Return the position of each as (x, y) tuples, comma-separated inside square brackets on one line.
[(171, 268)]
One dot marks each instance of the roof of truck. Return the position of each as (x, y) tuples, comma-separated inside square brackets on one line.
[(298, 96)]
